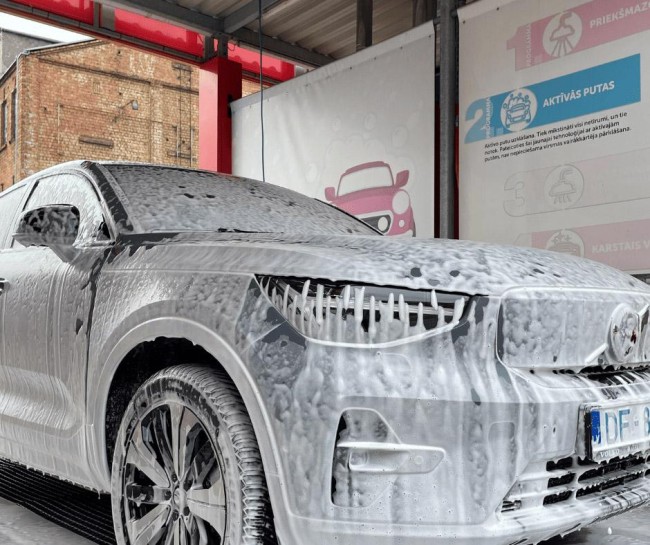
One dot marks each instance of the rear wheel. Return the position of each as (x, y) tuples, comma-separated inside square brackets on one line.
[(187, 469)]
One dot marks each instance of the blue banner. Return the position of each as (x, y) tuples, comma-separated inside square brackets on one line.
[(602, 87)]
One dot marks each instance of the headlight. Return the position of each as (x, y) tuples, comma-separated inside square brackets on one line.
[(401, 202), (346, 313)]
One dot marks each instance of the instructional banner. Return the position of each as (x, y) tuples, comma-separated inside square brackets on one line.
[(358, 133), (554, 117)]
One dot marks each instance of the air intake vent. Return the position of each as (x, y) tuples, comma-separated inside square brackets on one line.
[(573, 479), (361, 314)]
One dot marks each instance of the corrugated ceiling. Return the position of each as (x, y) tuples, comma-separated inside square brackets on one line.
[(310, 31), (329, 27)]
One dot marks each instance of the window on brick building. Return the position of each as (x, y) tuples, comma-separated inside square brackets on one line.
[(3, 124), (14, 113)]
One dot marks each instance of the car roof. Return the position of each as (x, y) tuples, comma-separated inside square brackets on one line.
[(84, 164)]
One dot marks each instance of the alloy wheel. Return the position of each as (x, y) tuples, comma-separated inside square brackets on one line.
[(173, 486)]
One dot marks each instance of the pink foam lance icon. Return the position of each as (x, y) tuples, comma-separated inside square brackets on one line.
[(588, 25)]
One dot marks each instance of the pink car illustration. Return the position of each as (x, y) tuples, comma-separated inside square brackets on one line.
[(370, 192)]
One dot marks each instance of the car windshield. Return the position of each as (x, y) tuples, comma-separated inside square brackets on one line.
[(366, 178), (170, 199)]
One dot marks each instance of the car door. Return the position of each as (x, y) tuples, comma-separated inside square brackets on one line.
[(10, 202), (47, 319)]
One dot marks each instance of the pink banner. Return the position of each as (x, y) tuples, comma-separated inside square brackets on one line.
[(586, 26), (623, 245)]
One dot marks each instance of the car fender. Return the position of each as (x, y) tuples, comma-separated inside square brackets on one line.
[(201, 335)]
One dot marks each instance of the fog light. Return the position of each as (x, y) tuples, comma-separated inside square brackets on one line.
[(368, 457)]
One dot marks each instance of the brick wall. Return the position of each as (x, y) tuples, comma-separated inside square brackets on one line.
[(249, 86), (8, 145), (104, 101), (99, 100)]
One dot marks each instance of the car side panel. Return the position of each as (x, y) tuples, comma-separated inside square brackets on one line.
[(43, 377), (206, 308), (48, 304), (201, 307)]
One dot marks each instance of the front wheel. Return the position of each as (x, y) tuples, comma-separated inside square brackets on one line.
[(187, 468)]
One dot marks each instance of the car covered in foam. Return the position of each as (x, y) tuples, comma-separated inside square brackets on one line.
[(237, 363)]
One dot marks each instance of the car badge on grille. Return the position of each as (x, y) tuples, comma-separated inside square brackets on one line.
[(624, 333)]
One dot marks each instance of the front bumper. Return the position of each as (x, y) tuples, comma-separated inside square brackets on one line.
[(533, 529), (494, 425), (469, 496)]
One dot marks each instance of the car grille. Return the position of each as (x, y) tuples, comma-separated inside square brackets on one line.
[(592, 377), (610, 376), (568, 330), (573, 479)]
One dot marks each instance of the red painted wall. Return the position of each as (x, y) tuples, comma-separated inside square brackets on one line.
[(156, 33)]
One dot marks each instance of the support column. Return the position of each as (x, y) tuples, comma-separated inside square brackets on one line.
[(219, 85), (448, 97), (364, 24)]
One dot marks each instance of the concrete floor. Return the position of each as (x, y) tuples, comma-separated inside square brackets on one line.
[(19, 526), (632, 528)]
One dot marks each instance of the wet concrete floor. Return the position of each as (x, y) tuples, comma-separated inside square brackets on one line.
[(19, 526), (632, 528)]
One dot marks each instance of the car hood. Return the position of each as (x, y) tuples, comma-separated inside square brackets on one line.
[(446, 265)]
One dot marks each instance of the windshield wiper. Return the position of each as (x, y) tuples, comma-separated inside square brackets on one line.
[(230, 230), (217, 230)]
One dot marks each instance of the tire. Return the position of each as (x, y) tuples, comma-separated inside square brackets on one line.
[(204, 484)]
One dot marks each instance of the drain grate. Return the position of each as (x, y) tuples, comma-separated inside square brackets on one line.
[(81, 511)]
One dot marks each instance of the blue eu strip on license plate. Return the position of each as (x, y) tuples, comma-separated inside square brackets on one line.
[(618, 431)]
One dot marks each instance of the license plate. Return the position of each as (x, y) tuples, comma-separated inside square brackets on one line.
[(617, 431)]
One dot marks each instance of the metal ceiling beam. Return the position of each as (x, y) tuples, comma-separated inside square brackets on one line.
[(171, 13), (92, 30), (246, 14), (364, 24), (279, 48), (204, 24)]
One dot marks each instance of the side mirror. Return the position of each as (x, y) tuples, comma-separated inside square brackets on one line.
[(402, 178), (55, 226), (330, 193)]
